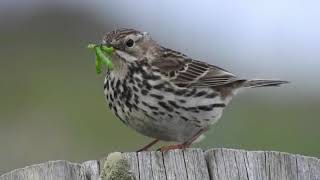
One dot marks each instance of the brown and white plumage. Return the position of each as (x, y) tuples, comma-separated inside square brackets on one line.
[(165, 94), (186, 72)]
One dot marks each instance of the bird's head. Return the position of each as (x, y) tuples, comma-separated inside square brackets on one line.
[(130, 45)]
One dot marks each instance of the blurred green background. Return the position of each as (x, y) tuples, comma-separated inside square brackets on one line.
[(51, 100)]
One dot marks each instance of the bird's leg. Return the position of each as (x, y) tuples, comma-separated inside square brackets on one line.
[(185, 144), (146, 147), (195, 137)]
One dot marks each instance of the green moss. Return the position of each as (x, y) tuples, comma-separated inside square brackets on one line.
[(116, 167)]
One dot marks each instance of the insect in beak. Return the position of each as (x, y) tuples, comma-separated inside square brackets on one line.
[(103, 54)]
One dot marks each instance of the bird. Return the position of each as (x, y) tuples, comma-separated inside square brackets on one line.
[(165, 94)]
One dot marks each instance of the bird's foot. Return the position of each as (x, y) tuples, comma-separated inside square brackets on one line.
[(174, 146)]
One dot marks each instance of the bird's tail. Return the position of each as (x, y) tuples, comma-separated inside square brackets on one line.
[(263, 83)]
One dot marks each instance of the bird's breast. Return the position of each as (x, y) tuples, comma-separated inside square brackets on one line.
[(154, 107)]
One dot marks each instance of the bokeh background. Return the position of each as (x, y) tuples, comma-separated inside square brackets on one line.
[(51, 100)]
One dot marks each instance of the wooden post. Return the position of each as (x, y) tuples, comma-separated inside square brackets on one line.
[(189, 164)]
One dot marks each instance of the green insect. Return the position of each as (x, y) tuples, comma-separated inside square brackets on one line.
[(102, 56)]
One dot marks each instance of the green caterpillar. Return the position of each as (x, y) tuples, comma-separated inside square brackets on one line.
[(102, 56)]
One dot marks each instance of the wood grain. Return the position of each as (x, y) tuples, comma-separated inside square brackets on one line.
[(189, 164)]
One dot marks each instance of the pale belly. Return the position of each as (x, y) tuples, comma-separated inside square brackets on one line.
[(169, 127)]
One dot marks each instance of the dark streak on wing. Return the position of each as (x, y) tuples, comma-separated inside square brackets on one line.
[(191, 73)]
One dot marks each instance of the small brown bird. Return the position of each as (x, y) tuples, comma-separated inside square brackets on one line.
[(164, 94)]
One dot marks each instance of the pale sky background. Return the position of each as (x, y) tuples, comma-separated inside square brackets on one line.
[(277, 39)]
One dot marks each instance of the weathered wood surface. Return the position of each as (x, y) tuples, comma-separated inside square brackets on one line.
[(189, 164), (55, 170)]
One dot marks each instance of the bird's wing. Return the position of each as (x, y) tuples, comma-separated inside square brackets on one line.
[(186, 72)]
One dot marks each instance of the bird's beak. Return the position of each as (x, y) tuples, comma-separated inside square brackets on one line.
[(106, 43)]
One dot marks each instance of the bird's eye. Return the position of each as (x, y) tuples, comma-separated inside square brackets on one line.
[(129, 43)]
